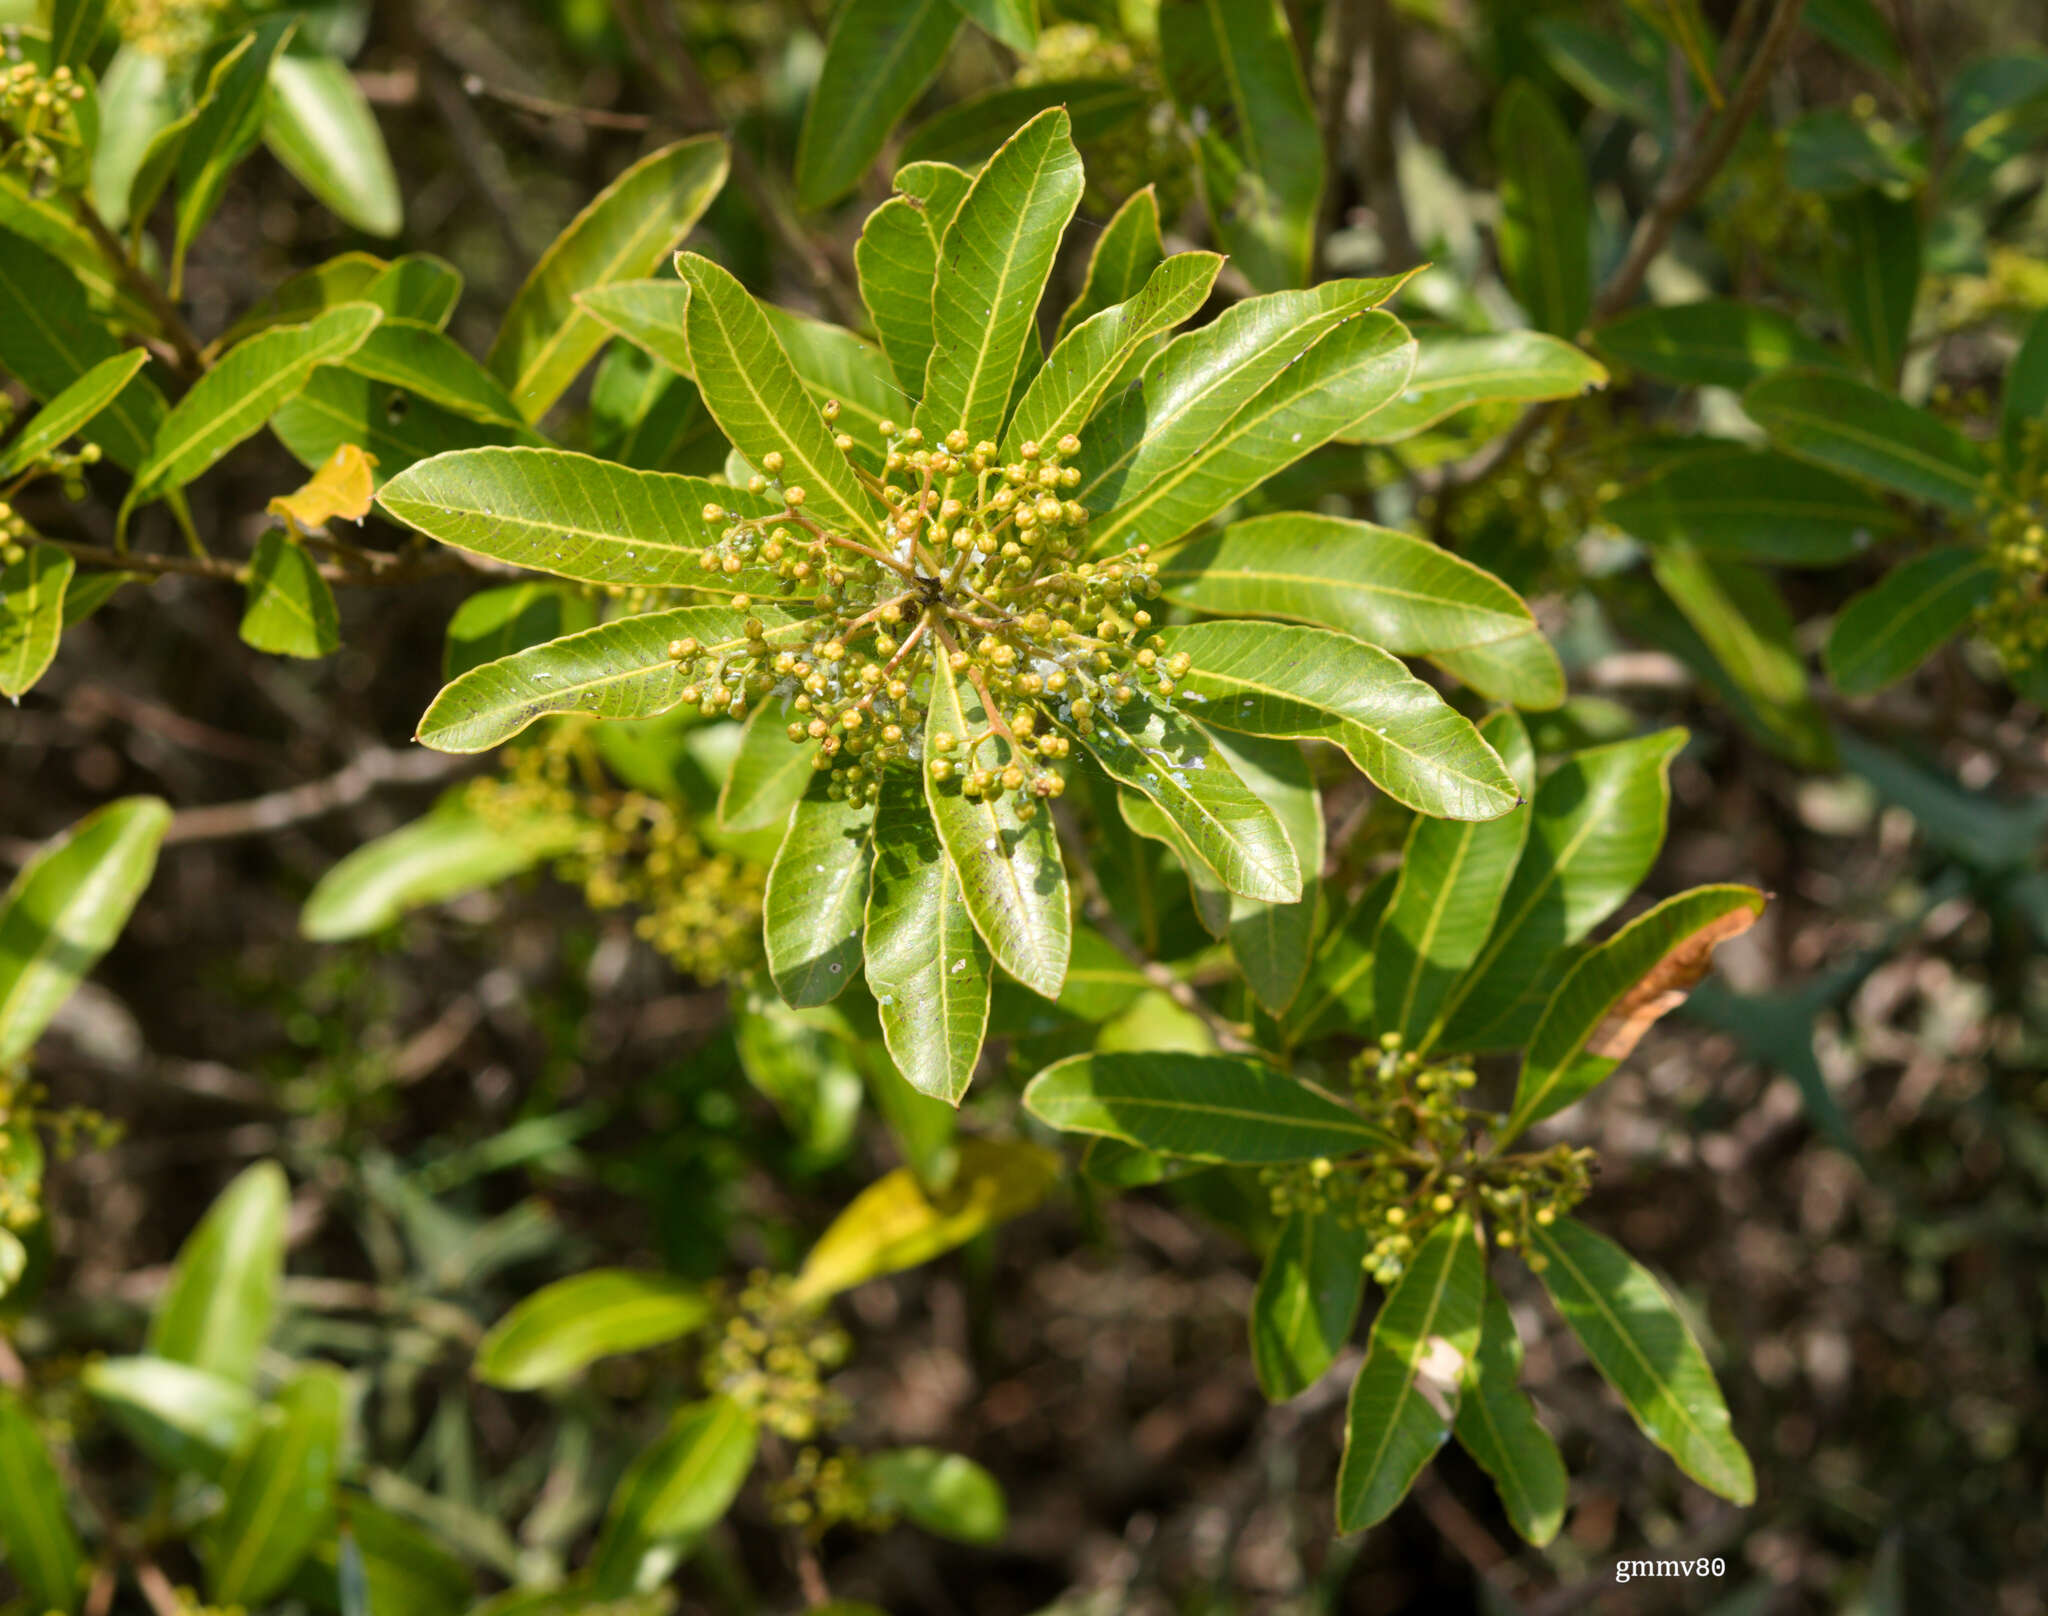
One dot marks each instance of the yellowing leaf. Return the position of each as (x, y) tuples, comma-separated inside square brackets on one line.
[(341, 488)]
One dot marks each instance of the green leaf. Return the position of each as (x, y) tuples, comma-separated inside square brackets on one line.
[(945, 1493), (926, 965), (1889, 629), (138, 98), (1619, 74), (279, 1490), (1595, 831), (1314, 683), (345, 278), (1013, 22), (426, 362), (1455, 371), (290, 610), (65, 908), (895, 1223), (1614, 993), (2026, 390), (680, 1485), (1753, 505), (50, 221), (804, 1062), (835, 365), (880, 56), (1640, 1343), (399, 1569), (994, 261), (31, 615), (1875, 262), (1849, 426), (43, 1551), (216, 1312), (1721, 342), (1995, 108), (229, 122), (75, 28), (645, 415), (561, 1328), (1307, 1301), (1857, 28), (495, 623), (1011, 878), (816, 904), (625, 233), (1217, 1108), (1387, 588), (417, 286), (72, 410), (897, 261), (318, 123), (233, 400), (337, 406), (969, 131), (757, 399), (1545, 230), (182, 1418), (1497, 1426), (1235, 74), (1405, 1399), (1121, 261), (1453, 876), (1272, 942), (1339, 991), (768, 774)]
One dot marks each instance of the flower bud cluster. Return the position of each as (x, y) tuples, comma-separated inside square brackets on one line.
[(823, 1491), (172, 30), (771, 1355), (977, 573), (38, 109), (2015, 510)]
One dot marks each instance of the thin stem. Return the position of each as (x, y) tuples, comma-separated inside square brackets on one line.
[(475, 85), (398, 571), (116, 253)]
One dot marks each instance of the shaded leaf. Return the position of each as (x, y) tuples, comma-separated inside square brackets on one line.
[(72, 410), (1719, 342), (396, 429), (1849, 426), (289, 610), (1545, 230), (1876, 267), (1339, 990), (419, 357), (279, 1490), (1497, 1425), (1886, 631), (880, 56), (1753, 505), (1308, 1296), (1122, 259), (1454, 371), (43, 1551), (226, 129), (969, 131)]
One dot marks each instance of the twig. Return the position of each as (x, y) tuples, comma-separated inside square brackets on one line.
[(176, 331), (316, 798), (389, 568), (474, 85)]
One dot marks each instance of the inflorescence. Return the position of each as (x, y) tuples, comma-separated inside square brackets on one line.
[(2015, 507)]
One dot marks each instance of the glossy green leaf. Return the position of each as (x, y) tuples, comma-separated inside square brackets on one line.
[(880, 56), (1849, 426), (2025, 400), (279, 1490), (182, 1418), (216, 1312), (1339, 990), (768, 774), (1453, 876), (1217, 1108), (1640, 1343), (1273, 942), (897, 260), (834, 365), (1307, 1301), (1212, 900), (926, 964), (1889, 629), (289, 610), (816, 904), (944, 1493), (1719, 342), (1753, 505), (1454, 371), (1390, 589), (74, 409), (625, 233), (337, 406), (43, 1551), (138, 98), (416, 286), (1121, 261), (678, 1486), (994, 261), (1545, 230), (559, 1329), (1405, 1399), (1617, 990), (1314, 683), (64, 909), (1497, 1425), (318, 123), (422, 359), (969, 131), (1235, 72), (228, 125), (32, 592), (1011, 877), (1876, 269)]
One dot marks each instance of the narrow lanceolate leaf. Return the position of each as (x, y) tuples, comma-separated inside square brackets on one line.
[(620, 669), (216, 1313), (1406, 1397), (1307, 1301), (1597, 823), (1888, 630), (1272, 942), (428, 363), (816, 904), (43, 1551), (1454, 371), (1754, 505), (897, 261), (880, 56), (75, 27), (279, 1490), (571, 515), (1722, 342), (1545, 215), (64, 910), (233, 400), (1390, 589), (229, 123), (289, 610), (969, 131), (1338, 994), (319, 124), (1876, 269), (1497, 1425), (625, 233), (1158, 751), (1613, 995), (1235, 73), (1452, 877), (1121, 261), (926, 965), (2025, 399), (1640, 1343), (768, 774), (757, 399), (562, 1327), (337, 407), (416, 286), (1216, 1108), (679, 1486), (1314, 683), (836, 366), (1849, 426), (994, 261), (73, 410), (1011, 877), (182, 1418), (31, 615), (945, 1493)]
